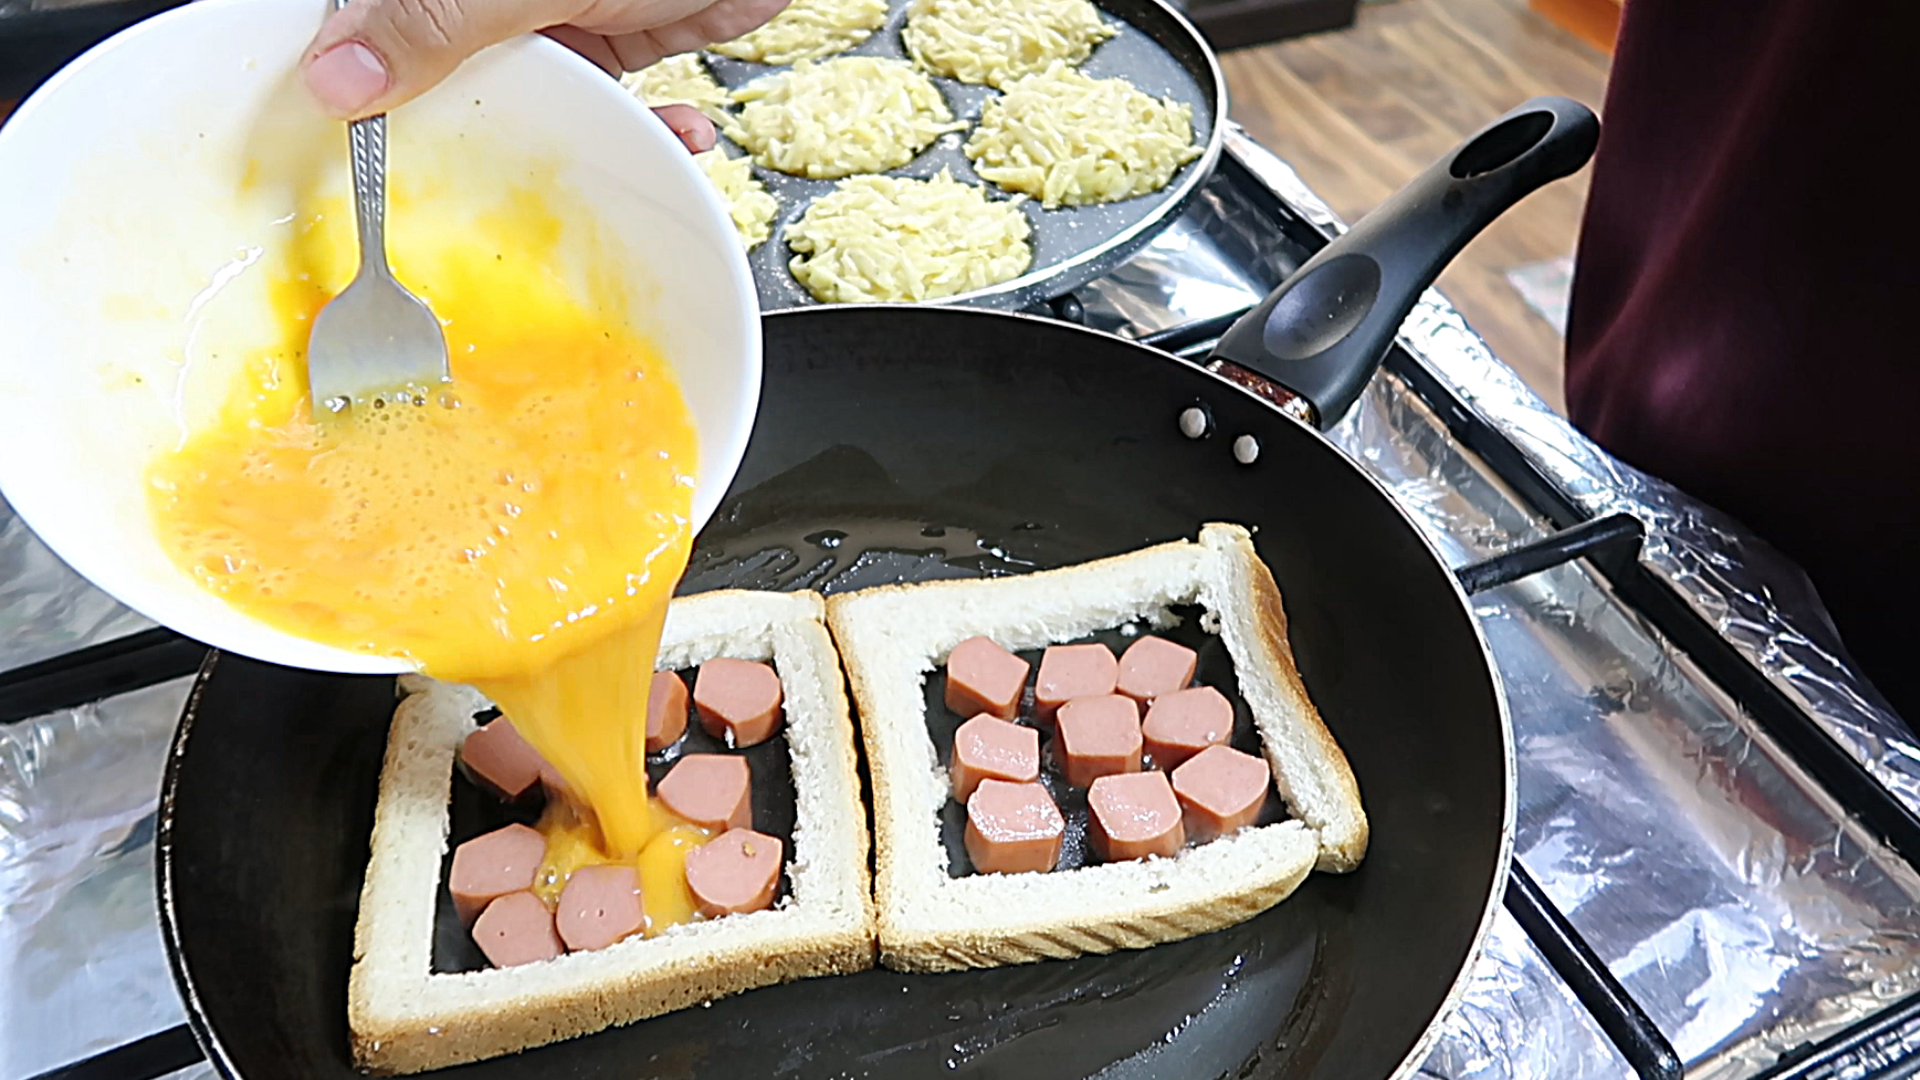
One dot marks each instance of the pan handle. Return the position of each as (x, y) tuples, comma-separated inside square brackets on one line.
[(1322, 333)]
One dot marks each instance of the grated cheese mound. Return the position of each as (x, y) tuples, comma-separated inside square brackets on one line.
[(808, 30), (855, 114), (680, 80), (997, 41), (748, 202), (1071, 140), (886, 238)]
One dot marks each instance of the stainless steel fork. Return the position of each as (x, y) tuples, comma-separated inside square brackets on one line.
[(375, 339)]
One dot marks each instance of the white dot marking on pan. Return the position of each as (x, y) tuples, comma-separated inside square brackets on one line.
[(1193, 422), (1246, 449)]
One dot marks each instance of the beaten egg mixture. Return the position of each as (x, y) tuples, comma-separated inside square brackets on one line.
[(519, 529)]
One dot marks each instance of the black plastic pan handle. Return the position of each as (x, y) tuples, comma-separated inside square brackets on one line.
[(1322, 333)]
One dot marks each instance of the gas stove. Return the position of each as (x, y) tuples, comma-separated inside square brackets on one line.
[(1716, 835)]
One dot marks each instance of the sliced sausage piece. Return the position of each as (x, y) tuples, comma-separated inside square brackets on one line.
[(738, 700), (1013, 828), (517, 929), (1153, 666), (492, 865), (1220, 790), (498, 759), (1068, 672), (986, 746), (666, 711), (1097, 736), (1181, 724), (735, 872), (712, 791), (600, 905), (984, 678), (1134, 815)]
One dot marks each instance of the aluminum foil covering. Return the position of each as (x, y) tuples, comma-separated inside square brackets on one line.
[(45, 608), (1737, 903), (1726, 892), (81, 964)]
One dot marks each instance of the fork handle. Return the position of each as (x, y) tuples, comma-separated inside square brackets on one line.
[(369, 141), (369, 152)]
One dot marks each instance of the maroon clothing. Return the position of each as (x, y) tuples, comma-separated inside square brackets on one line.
[(1745, 318)]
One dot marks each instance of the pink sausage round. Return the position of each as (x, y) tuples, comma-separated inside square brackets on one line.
[(492, 865), (517, 929), (1070, 672), (712, 791), (1096, 737), (985, 747), (1153, 666), (666, 711), (1013, 828), (499, 759), (600, 906), (735, 872), (738, 700), (1220, 790), (1133, 816), (1181, 724), (982, 677)]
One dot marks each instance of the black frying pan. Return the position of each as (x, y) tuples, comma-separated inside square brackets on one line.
[(905, 443)]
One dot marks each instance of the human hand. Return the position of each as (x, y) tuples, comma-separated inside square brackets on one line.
[(374, 55)]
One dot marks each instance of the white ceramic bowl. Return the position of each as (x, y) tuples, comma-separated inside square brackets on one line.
[(139, 189)]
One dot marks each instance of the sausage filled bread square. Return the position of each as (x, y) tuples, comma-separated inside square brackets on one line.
[(452, 963), (1103, 756)]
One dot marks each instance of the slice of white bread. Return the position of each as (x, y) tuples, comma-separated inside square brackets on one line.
[(892, 638), (404, 1018)]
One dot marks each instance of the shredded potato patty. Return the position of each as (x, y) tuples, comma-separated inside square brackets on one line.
[(997, 41), (856, 114), (680, 80), (747, 199), (889, 238), (808, 30), (1070, 140)]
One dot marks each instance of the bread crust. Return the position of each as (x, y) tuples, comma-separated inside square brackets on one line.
[(1065, 935), (403, 1019), (1343, 838), (892, 637)]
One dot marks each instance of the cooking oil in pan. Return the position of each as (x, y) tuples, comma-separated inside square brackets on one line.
[(851, 553)]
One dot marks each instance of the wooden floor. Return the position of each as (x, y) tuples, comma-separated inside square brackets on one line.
[(1360, 111)]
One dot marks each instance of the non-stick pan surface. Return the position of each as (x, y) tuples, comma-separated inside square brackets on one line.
[(904, 443), (1015, 444), (1156, 50)]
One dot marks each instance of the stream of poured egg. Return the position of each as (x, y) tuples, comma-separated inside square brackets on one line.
[(520, 530)]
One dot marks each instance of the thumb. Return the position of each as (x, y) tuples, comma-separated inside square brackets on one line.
[(374, 55)]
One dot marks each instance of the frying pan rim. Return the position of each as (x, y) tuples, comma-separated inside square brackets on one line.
[(197, 1022), (1062, 277), (216, 1052)]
